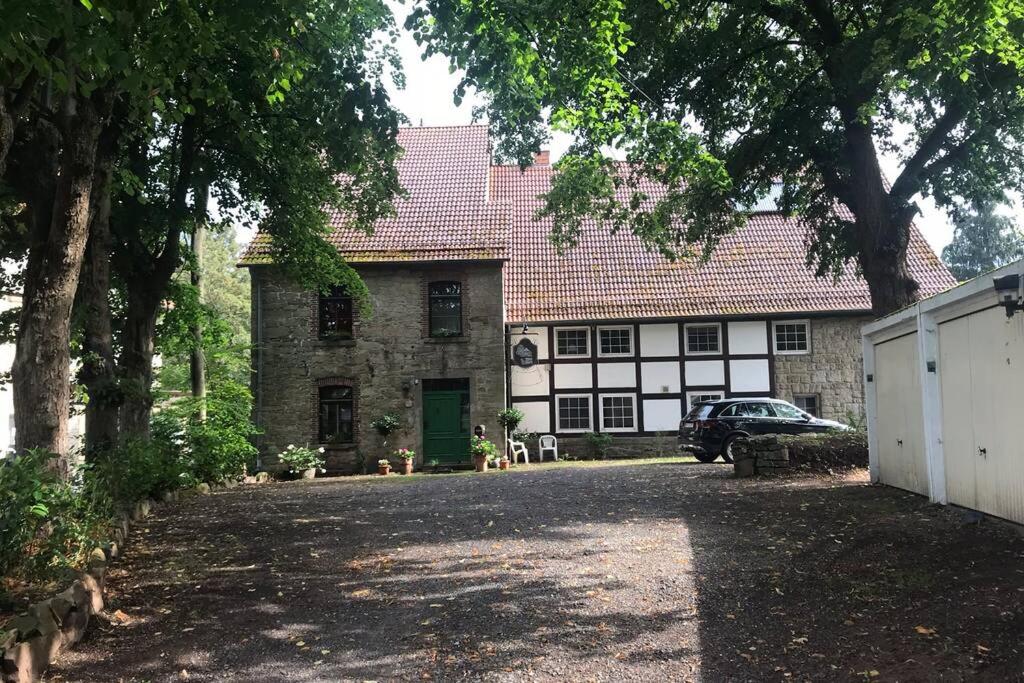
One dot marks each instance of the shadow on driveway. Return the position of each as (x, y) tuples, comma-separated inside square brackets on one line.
[(649, 572)]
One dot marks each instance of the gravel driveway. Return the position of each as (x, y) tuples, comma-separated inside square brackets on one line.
[(657, 572)]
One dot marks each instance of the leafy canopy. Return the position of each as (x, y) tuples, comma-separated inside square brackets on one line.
[(982, 241), (718, 100)]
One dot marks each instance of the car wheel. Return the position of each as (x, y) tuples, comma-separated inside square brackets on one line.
[(704, 456), (727, 447)]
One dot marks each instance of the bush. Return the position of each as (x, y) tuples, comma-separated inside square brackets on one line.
[(46, 524), (140, 469), (386, 424), (302, 458), (509, 419), (828, 451), (597, 444), (480, 446)]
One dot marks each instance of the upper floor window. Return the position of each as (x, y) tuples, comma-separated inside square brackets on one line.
[(572, 341), (615, 341), (703, 339), (445, 309), (336, 404), (792, 336), (335, 314)]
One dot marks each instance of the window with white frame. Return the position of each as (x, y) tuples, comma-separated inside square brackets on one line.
[(574, 413), (703, 339), (572, 342), (615, 341), (695, 397), (618, 413), (809, 403), (792, 336)]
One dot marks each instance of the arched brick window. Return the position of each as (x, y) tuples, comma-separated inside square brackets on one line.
[(336, 409)]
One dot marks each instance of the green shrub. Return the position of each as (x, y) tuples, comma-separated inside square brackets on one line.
[(302, 458), (479, 446), (597, 444), (509, 419), (386, 424)]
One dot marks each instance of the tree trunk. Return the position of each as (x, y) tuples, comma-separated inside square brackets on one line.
[(41, 369), (136, 364), (882, 230), (98, 370), (197, 365)]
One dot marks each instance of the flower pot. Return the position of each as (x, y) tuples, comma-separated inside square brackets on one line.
[(503, 464), (309, 474), (407, 467), (480, 462), (383, 470)]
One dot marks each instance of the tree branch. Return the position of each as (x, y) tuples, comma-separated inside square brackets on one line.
[(909, 179)]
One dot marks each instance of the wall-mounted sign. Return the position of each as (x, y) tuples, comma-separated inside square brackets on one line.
[(524, 354)]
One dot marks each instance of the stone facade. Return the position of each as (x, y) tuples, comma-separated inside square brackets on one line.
[(833, 370), (385, 363)]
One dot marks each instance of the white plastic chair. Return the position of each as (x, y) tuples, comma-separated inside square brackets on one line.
[(549, 444), (518, 448)]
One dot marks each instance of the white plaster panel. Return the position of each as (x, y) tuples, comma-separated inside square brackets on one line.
[(538, 335), (660, 377), (659, 340), (748, 337), (611, 375), (701, 373), (536, 416), (534, 381), (661, 415), (749, 375), (573, 376)]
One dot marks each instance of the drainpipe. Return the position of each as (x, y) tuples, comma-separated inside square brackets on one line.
[(257, 381)]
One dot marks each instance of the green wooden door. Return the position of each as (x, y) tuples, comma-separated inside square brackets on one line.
[(446, 426)]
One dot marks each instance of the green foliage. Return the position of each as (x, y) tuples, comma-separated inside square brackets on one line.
[(140, 469), (509, 418), (481, 447), (386, 424), (828, 451), (302, 458), (716, 102), (47, 524), (405, 454), (982, 241), (597, 444)]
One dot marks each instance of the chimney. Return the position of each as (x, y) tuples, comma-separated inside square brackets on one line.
[(542, 158)]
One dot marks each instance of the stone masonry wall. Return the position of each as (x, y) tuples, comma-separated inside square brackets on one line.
[(385, 363), (833, 370)]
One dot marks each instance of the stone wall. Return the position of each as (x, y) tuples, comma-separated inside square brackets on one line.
[(622, 446), (833, 370), (385, 363)]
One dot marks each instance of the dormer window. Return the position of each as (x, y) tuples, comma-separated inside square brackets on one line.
[(335, 312), (445, 309)]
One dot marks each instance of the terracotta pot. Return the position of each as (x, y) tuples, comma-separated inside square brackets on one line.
[(407, 467), (309, 474), (383, 470), (480, 462), (503, 464)]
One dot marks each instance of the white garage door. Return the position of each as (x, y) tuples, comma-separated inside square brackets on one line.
[(901, 456), (981, 371)]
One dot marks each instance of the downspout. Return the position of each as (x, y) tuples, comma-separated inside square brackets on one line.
[(257, 382)]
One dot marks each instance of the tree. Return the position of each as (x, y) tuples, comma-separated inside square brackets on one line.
[(716, 100), (982, 241)]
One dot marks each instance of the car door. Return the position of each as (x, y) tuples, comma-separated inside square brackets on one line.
[(759, 418), (792, 420)]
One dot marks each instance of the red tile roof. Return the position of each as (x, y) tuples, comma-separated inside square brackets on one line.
[(445, 215), (452, 214), (759, 269)]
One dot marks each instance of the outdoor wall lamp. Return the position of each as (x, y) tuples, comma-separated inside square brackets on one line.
[(1009, 292)]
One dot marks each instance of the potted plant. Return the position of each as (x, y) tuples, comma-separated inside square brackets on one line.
[(302, 461), (384, 467), (483, 452), (503, 463), (510, 418), (385, 425), (406, 455)]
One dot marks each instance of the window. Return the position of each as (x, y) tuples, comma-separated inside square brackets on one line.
[(748, 410), (792, 337), (336, 408), (618, 413), (703, 340), (574, 413), (445, 308), (335, 314), (695, 397), (615, 341), (807, 403), (572, 341)]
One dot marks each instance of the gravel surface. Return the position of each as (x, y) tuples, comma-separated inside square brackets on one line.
[(655, 572)]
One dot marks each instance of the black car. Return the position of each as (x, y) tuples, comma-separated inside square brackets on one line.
[(711, 428)]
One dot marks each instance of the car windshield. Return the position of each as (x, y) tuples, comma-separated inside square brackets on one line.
[(700, 411), (788, 412)]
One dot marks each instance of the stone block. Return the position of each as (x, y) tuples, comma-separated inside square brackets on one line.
[(743, 468), (94, 588), (202, 489)]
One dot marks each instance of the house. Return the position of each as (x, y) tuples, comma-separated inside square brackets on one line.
[(473, 311), (945, 386)]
